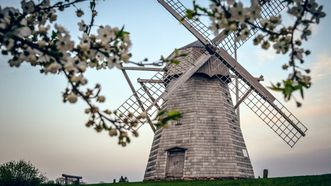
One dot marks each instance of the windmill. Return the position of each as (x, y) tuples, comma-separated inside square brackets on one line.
[(207, 141)]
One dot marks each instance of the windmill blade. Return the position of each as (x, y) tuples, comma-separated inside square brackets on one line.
[(151, 96), (222, 40), (143, 100), (229, 42), (274, 114), (137, 102), (200, 31)]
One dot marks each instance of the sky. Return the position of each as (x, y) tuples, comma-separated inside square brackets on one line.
[(36, 126)]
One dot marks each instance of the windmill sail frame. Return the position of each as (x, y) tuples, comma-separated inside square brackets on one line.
[(153, 93), (279, 118)]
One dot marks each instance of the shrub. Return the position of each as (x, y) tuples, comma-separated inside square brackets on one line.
[(20, 173)]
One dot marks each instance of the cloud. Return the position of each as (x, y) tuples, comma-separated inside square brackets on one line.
[(321, 69)]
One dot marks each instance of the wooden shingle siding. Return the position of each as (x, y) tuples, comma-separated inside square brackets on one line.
[(209, 132)]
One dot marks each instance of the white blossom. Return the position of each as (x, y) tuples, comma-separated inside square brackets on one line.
[(9, 10), (79, 79), (113, 132), (69, 64), (230, 2), (143, 115), (82, 66), (238, 12), (45, 3), (243, 34), (125, 56), (23, 32), (82, 26), (41, 43), (27, 6), (43, 29), (60, 29), (32, 57), (79, 13), (43, 59), (126, 40), (72, 98), (298, 53), (64, 44), (101, 99), (52, 15), (9, 43), (106, 34), (53, 68), (16, 61), (85, 42)]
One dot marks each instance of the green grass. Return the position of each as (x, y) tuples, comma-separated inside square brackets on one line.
[(320, 180)]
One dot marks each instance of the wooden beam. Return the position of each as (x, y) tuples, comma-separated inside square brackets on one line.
[(219, 38), (246, 94), (143, 68), (245, 75), (149, 80), (242, 98), (138, 100), (149, 95), (236, 78), (184, 22), (261, 78)]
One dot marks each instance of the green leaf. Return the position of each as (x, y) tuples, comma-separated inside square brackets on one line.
[(190, 13), (54, 35), (275, 88), (176, 62), (165, 117)]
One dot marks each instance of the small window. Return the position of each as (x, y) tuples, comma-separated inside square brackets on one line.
[(245, 153)]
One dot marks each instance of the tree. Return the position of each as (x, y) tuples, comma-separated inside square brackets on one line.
[(233, 17), (20, 173), (32, 35)]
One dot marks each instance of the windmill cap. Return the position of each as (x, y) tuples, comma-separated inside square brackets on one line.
[(194, 44)]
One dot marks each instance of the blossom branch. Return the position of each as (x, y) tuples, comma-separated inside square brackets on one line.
[(27, 38), (234, 17)]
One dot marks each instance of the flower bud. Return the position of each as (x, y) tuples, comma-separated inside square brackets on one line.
[(79, 13), (113, 132), (72, 98), (101, 99)]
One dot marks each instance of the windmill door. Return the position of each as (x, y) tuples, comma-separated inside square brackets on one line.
[(175, 163)]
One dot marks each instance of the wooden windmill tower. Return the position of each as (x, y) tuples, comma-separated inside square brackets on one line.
[(207, 141)]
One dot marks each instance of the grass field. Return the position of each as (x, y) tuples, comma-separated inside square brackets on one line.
[(319, 180)]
